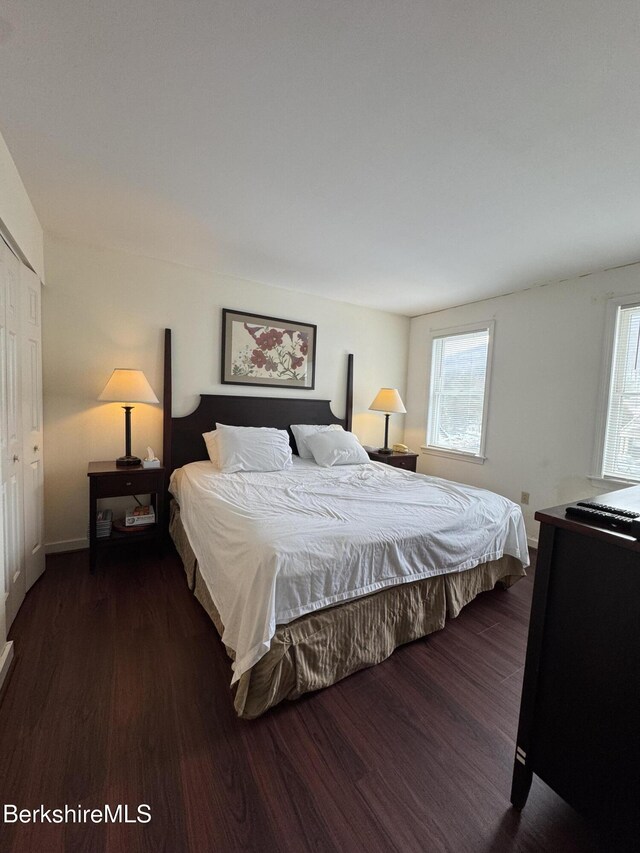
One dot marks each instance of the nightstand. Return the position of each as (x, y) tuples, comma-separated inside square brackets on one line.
[(397, 460), (107, 480)]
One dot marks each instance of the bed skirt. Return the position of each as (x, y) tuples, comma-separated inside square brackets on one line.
[(321, 648)]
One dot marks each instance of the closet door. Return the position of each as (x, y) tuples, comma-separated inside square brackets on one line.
[(11, 468), (4, 573), (33, 483)]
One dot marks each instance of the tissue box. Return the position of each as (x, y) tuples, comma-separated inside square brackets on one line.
[(140, 516), (150, 463)]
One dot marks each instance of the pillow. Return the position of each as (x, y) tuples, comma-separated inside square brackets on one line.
[(211, 440), (252, 449), (302, 431), (336, 448)]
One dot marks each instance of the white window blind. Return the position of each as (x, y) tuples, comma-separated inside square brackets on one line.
[(621, 456), (457, 394)]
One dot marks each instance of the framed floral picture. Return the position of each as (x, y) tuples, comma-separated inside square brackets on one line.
[(258, 350)]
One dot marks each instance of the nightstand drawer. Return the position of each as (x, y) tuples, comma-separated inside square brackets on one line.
[(408, 462), (128, 484)]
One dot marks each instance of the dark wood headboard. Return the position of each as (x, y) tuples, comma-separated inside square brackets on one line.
[(182, 437)]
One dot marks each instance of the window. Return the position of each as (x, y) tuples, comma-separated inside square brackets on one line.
[(620, 443), (458, 391)]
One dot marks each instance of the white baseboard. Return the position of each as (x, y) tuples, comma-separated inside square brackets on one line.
[(5, 660), (66, 545), (532, 542)]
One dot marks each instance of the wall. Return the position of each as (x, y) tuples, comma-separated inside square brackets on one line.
[(17, 217), (544, 390), (104, 309)]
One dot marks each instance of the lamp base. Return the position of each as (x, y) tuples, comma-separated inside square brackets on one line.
[(385, 450), (127, 461)]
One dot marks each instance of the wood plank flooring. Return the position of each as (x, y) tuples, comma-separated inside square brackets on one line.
[(119, 694)]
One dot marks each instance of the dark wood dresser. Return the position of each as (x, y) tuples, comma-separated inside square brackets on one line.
[(579, 728)]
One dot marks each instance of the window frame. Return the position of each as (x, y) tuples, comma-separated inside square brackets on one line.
[(453, 331), (606, 387)]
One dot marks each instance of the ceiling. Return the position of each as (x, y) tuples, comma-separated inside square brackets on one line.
[(404, 154)]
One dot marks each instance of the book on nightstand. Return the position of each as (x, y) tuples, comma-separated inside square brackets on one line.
[(104, 520)]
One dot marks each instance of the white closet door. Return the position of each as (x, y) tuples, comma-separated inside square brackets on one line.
[(4, 573), (12, 442), (32, 425)]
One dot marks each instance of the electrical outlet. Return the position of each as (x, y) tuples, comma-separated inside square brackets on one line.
[(524, 498)]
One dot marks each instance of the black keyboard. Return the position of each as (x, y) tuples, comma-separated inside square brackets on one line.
[(614, 510), (605, 519)]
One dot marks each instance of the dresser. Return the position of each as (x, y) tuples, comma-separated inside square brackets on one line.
[(579, 727)]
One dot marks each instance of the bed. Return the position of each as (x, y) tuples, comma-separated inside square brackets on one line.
[(310, 574)]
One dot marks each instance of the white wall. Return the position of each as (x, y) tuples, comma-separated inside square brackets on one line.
[(104, 309), (18, 219), (544, 390)]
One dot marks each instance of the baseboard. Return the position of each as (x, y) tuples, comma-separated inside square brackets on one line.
[(66, 545), (5, 661), (532, 542)]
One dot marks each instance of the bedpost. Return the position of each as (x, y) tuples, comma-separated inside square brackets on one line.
[(349, 401), (166, 423)]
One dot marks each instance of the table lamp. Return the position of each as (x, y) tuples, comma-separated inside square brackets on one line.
[(388, 401), (127, 386)]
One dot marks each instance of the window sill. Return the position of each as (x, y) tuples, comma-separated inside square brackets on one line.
[(458, 455), (611, 483)]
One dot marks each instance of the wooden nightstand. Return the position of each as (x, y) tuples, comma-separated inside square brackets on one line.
[(106, 480), (397, 460)]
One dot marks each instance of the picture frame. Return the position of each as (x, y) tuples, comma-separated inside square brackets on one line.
[(267, 351)]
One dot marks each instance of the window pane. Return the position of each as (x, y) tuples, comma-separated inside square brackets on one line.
[(622, 438), (456, 398)]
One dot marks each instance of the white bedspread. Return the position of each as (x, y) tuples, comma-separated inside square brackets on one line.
[(272, 546)]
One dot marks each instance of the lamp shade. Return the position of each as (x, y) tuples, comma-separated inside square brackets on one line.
[(388, 400), (127, 386)]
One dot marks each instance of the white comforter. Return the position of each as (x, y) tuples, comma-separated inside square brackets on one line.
[(271, 547)]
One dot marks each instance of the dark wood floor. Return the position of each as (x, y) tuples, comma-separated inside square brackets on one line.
[(119, 694)]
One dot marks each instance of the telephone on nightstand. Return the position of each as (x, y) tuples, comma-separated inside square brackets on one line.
[(400, 448)]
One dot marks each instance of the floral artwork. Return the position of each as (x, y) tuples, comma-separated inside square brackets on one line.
[(266, 351), (272, 352)]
